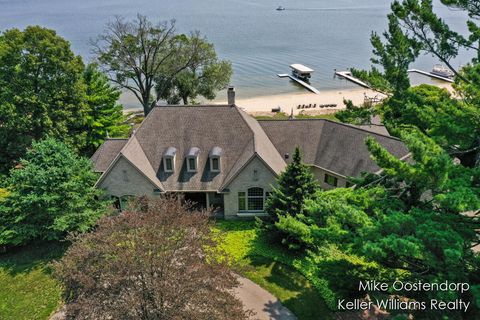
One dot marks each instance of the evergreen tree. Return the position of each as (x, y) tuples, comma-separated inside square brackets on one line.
[(285, 205), (105, 115)]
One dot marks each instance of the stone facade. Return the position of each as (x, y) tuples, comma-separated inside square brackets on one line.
[(255, 175), (125, 180)]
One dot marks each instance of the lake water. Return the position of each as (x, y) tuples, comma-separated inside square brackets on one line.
[(260, 41)]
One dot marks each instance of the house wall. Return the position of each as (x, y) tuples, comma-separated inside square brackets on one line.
[(124, 179), (247, 178), (320, 175)]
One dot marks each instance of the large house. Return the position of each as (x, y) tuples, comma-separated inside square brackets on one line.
[(219, 156)]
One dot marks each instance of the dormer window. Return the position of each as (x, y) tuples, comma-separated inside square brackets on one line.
[(192, 159), (214, 157), (169, 160)]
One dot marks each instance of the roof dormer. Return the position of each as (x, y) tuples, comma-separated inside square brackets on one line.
[(192, 159), (169, 159), (215, 159)]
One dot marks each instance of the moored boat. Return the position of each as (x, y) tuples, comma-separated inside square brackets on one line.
[(441, 70)]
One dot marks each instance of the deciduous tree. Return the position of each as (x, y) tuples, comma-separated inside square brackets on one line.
[(51, 193), (157, 260), (204, 76), (135, 53), (42, 92)]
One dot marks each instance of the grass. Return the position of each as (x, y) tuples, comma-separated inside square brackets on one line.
[(271, 268), (28, 290)]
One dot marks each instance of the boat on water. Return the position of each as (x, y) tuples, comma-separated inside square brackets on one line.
[(441, 70), (280, 8), (301, 72)]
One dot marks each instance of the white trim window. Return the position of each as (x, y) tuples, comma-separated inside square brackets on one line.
[(169, 160), (215, 162), (192, 159), (253, 200)]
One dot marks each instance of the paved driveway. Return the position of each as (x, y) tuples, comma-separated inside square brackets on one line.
[(262, 302)]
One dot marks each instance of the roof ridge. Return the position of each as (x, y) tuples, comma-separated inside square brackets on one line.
[(334, 122)]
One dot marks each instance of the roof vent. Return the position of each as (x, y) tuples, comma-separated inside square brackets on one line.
[(287, 156)]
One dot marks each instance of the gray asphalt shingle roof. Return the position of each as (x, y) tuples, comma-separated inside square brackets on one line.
[(333, 146), (238, 138), (106, 153)]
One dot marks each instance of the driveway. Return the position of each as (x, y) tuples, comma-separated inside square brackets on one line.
[(262, 302)]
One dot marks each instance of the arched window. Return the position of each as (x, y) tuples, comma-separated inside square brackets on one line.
[(252, 200)]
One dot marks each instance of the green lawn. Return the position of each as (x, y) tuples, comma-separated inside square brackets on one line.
[(270, 267), (27, 289)]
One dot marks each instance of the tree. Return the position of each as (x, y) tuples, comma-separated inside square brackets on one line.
[(395, 55), (433, 33), (105, 116), (285, 205), (41, 94), (134, 53), (51, 193), (204, 76), (158, 260)]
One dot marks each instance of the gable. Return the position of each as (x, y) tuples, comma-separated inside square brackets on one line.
[(123, 178)]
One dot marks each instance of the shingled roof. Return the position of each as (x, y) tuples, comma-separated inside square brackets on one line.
[(106, 153), (333, 146), (204, 127), (330, 145)]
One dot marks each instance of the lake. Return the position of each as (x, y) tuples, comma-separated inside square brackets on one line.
[(260, 41)]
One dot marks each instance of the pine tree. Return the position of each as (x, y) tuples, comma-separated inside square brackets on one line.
[(285, 205), (105, 115)]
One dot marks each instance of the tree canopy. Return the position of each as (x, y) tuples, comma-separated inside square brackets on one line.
[(204, 76), (42, 92), (104, 113), (158, 260), (50, 193), (138, 55), (47, 91)]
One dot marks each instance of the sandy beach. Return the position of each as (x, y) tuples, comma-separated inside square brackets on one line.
[(263, 105), (291, 101)]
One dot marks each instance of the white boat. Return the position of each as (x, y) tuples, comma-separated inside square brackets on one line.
[(280, 8), (301, 72), (441, 70)]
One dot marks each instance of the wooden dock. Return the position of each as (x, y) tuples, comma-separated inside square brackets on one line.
[(432, 75), (348, 75), (303, 83)]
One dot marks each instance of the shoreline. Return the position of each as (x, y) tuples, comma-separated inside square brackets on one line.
[(290, 101)]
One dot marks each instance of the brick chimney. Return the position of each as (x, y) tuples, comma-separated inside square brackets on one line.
[(231, 95)]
